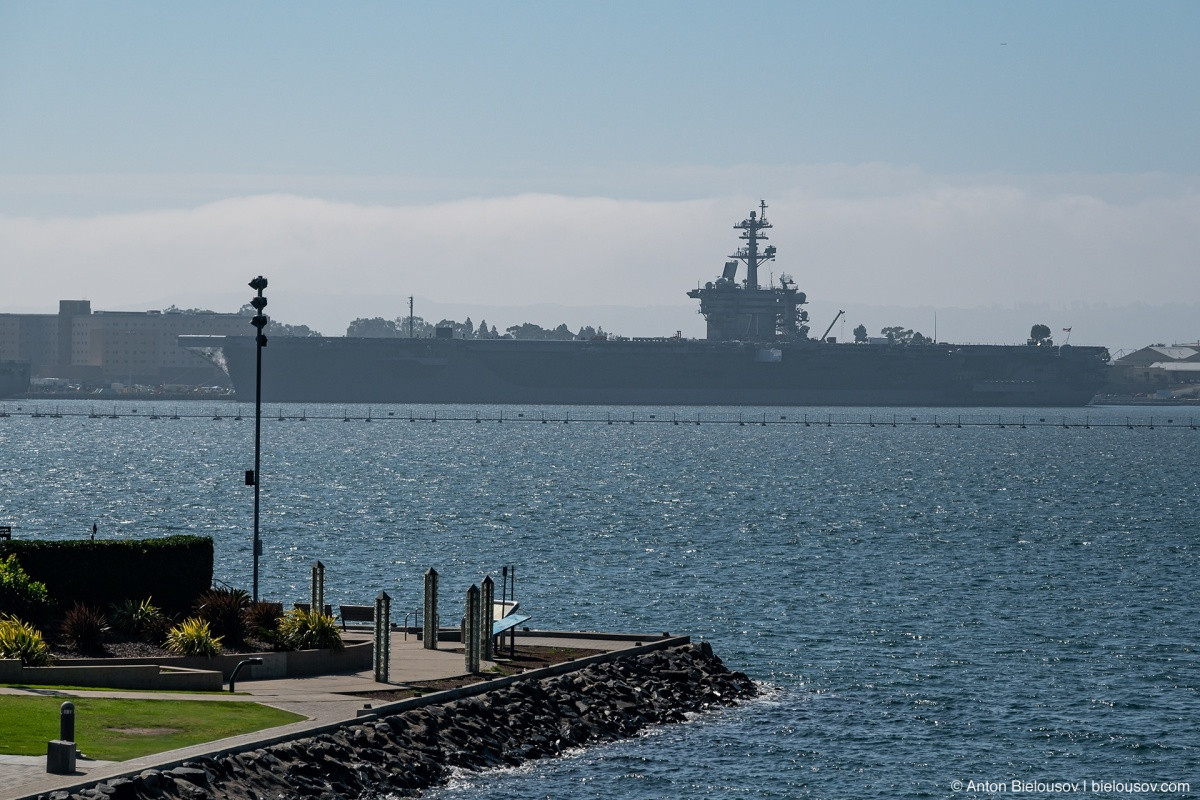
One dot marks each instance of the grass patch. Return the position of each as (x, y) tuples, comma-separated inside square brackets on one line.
[(60, 687), (118, 730)]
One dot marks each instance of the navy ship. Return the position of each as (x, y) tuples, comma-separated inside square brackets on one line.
[(757, 352)]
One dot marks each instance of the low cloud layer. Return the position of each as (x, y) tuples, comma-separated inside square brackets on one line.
[(852, 237)]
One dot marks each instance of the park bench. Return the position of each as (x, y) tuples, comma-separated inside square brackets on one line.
[(306, 606), (357, 614)]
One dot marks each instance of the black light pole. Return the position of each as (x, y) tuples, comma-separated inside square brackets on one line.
[(259, 321)]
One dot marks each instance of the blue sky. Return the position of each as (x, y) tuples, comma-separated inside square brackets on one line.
[(140, 138)]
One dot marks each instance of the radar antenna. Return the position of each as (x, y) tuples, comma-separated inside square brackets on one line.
[(752, 234)]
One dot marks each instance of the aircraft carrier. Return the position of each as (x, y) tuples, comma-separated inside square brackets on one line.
[(757, 352)]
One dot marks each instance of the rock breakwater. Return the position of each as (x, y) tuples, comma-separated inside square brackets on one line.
[(403, 753)]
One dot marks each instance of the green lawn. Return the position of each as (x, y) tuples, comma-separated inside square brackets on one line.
[(117, 730), (60, 687)]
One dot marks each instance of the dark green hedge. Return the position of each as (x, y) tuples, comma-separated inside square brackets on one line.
[(173, 570)]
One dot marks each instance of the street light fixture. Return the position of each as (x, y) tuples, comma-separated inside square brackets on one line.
[(259, 321)]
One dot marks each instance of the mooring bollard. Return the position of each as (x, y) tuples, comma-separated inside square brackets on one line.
[(430, 629), (471, 631), (487, 594), (60, 753), (383, 637)]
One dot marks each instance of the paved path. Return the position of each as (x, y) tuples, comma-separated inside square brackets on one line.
[(323, 700)]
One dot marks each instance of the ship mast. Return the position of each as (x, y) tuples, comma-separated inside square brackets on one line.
[(752, 234)]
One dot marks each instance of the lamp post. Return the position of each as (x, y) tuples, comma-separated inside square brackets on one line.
[(259, 321)]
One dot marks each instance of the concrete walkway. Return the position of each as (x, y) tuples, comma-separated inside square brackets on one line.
[(323, 700)]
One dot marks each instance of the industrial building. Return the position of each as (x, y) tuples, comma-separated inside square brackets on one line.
[(1160, 370), (102, 348)]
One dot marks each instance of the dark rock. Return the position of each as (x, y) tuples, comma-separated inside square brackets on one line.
[(409, 752)]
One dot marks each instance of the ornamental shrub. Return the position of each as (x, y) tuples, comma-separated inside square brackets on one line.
[(84, 627), (21, 640), (20, 595), (222, 609), (309, 630), (143, 619), (193, 637), (262, 619)]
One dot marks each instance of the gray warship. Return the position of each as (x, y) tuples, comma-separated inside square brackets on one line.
[(757, 352)]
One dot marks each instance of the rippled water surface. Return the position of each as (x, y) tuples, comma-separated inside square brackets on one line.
[(923, 604)]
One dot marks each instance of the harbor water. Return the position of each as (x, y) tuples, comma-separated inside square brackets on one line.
[(936, 603)]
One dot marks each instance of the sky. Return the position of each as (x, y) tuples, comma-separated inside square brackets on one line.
[(974, 166)]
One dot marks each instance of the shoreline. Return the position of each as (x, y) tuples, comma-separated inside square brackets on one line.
[(411, 745)]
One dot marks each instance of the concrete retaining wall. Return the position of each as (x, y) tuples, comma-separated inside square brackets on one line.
[(188, 674), (354, 657), (114, 676)]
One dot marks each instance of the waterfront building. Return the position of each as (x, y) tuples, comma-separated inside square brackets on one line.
[(102, 348)]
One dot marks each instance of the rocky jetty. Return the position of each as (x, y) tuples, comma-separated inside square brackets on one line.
[(404, 753)]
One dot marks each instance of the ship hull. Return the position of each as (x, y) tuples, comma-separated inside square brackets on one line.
[(661, 372)]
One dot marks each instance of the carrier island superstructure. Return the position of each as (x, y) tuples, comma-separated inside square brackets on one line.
[(747, 311), (757, 351)]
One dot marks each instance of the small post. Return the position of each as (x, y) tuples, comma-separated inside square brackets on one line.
[(471, 631), (60, 752), (383, 636), (487, 613), (66, 722), (318, 588), (504, 585), (430, 629), (512, 595)]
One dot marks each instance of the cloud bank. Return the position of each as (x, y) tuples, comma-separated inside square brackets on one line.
[(853, 237)]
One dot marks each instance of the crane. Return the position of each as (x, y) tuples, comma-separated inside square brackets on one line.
[(825, 335)]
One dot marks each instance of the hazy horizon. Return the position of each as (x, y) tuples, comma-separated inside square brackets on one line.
[(999, 163)]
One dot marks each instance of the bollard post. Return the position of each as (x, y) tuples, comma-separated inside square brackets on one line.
[(512, 595), (383, 637), (60, 753), (487, 613), (430, 629), (66, 722), (317, 597), (471, 631)]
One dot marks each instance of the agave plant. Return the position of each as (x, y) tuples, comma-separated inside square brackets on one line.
[(19, 639), (309, 630), (193, 637), (142, 619)]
